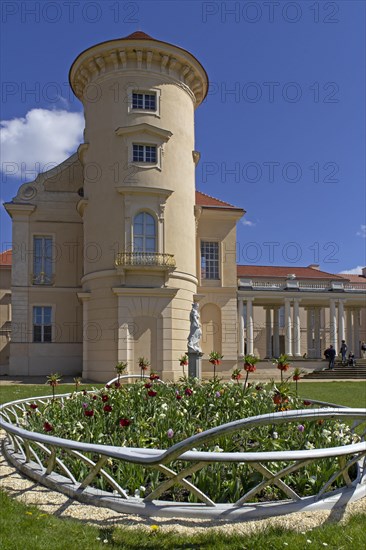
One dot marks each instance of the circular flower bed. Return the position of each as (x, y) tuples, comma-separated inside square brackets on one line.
[(150, 415)]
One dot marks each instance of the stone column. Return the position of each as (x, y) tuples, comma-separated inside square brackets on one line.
[(268, 332), (318, 351), (349, 329), (356, 333), (241, 326), (276, 331), (341, 327), (309, 332), (250, 327), (333, 324), (297, 328), (288, 327), (84, 297)]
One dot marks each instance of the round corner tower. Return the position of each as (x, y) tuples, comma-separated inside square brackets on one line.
[(139, 95)]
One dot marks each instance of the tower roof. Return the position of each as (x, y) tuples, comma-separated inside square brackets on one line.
[(138, 35)]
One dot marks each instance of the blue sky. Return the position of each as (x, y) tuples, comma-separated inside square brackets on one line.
[(281, 133)]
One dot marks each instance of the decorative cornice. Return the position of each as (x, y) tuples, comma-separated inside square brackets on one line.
[(144, 128), (143, 190), (17, 209), (149, 56), (145, 292)]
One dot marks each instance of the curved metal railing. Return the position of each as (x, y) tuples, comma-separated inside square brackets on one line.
[(145, 259), (41, 456)]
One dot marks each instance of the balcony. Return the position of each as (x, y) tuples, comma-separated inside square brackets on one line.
[(150, 260), (42, 279)]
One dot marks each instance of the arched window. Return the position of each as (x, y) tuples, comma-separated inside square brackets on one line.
[(144, 233)]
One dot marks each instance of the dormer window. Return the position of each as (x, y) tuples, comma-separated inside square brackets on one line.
[(144, 153), (145, 102)]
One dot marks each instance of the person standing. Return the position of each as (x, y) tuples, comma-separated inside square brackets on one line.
[(343, 351), (330, 354), (363, 350)]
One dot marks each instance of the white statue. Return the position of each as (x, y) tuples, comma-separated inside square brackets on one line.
[(195, 332)]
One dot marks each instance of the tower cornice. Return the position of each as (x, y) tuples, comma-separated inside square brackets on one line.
[(139, 54)]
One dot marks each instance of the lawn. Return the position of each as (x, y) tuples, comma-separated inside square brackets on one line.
[(352, 394), (24, 527)]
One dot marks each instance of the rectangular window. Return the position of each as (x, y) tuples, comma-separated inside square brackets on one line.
[(209, 260), (144, 153), (282, 317), (42, 260), (146, 102), (42, 324)]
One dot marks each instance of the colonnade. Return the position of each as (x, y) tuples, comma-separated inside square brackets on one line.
[(344, 324)]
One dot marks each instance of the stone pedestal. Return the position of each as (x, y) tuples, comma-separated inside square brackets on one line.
[(194, 364)]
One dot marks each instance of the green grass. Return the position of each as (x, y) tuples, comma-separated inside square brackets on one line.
[(27, 528), (11, 392), (352, 394)]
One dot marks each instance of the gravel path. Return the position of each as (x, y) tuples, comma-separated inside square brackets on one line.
[(57, 504)]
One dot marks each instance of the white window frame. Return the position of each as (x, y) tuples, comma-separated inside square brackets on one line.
[(211, 241), (145, 91), (156, 237), (146, 165), (144, 161)]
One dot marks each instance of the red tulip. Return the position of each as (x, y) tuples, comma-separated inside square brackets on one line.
[(124, 422)]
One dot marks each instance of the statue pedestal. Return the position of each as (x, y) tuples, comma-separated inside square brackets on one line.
[(194, 364)]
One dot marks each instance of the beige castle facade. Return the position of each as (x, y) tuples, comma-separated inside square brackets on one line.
[(112, 247)]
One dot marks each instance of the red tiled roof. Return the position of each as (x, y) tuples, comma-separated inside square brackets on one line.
[(138, 35), (353, 278), (206, 200), (283, 271), (5, 257)]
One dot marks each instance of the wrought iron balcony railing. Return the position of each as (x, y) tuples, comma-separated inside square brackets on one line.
[(42, 279), (145, 259)]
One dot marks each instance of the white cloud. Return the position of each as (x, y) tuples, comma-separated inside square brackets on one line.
[(248, 223), (355, 271), (39, 141), (362, 231)]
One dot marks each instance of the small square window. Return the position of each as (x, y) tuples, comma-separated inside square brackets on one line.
[(145, 102), (144, 153)]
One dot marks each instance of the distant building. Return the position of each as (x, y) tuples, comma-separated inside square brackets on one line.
[(111, 247)]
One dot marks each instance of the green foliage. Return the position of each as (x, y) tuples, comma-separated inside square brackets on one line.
[(157, 416), (250, 359), (20, 524)]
